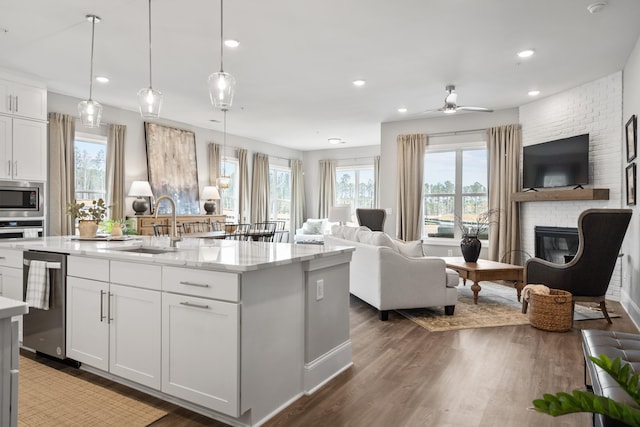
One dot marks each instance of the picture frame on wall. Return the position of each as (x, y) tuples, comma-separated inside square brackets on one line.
[(631, 184), (631, 137)]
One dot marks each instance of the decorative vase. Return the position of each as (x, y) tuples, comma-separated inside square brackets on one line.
[(87, 228), (470, 247), (116, 231)]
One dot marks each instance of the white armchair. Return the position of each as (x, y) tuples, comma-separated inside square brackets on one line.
[(312, 231)]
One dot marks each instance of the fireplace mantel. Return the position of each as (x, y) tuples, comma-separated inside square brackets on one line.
[(561, 195)]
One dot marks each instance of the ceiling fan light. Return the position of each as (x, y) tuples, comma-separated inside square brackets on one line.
[(90, 113), (449, 110), (149, 103), (221, 89)]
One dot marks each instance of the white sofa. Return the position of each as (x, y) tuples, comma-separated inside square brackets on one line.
[(313, 230), (390, 274)]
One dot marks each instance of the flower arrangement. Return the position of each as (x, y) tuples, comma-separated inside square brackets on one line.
[(95, 212), (480, 225)]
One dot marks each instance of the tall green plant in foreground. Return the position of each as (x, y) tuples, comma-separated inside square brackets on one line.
[(582, 401)]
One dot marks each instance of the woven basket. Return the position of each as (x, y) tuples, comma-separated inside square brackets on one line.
[(551, 312)]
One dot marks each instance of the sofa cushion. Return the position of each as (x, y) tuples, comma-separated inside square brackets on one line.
[(380, 238), (336, 230), (410, 249), (350, 233), (453, 278), (313, 226), (363, 234)]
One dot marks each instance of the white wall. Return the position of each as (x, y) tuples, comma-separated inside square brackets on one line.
[(343, 156), (594, 108), (630, 297), (135, 149), (456, 123)]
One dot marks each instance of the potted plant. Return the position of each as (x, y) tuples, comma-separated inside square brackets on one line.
[(88, 217), (584, 401)]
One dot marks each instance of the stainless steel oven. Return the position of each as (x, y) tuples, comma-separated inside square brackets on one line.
[(21, 199), (21, 228)]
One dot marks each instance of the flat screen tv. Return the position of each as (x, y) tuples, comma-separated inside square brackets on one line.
[(560, 163)]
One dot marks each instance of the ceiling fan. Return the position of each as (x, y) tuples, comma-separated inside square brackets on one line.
[(451, 106)]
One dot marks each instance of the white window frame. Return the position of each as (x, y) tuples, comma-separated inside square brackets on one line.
[(357, 169), (94, 139), (272, 200), (235, 194)]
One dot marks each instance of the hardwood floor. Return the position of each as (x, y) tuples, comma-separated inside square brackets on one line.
[(404, 375)]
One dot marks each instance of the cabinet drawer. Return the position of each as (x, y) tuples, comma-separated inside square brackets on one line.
[(146, 276), (202, 283), (11, 258), (89, 268)]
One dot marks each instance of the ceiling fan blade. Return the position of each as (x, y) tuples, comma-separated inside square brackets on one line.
[(432, 111), (477, 109)]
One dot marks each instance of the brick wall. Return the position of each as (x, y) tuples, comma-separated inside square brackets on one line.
[(594, 108)]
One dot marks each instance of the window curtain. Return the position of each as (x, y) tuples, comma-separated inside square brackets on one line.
[(297, 197), (410, 152), (260, 188), (62, 130), (243, 186), (214, 168), (503, 144), (115, 170), (376, 182), (327, 187)]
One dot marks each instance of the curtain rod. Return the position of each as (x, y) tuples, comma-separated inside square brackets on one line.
[(459, 132)]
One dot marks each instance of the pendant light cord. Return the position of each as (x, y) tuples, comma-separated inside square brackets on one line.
[(224, 142), (150, 81), (221, 36), (93, 29)]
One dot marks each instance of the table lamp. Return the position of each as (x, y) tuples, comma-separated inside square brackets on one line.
[(140, 189), (210, 193), (340, 214)]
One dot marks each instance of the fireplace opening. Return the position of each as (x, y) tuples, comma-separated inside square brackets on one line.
[(556, 244)]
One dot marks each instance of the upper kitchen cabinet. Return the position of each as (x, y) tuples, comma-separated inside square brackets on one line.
[(21, 100), (23, 149)]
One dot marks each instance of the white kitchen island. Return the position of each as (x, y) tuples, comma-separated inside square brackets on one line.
[(233, 330)]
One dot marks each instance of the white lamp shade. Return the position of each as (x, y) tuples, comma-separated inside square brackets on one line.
[(140, 189), (90, 113), (210, 193), (340, 214), (149, 102), (221, 88)]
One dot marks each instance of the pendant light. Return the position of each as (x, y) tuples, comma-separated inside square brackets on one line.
[(90, 111), (224, 181), (149, 100), (221, 84)]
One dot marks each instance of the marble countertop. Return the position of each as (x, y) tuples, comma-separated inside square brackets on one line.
[(213, 254), (10, 307)]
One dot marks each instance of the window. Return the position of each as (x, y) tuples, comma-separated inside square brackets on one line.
[(455, 187), (230, 196), (355, 187), (90, 154), (280, 193)]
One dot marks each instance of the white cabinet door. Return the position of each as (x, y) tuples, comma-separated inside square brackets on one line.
[(134, 337), (200, 351), (29, 101), (11, 287), (87, 327), (29, 150), (6, 152), (5, 97)]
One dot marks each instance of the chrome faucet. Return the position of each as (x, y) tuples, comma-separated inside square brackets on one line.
[(174, 230)]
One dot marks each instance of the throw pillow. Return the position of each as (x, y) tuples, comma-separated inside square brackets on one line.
[(410, 249), (312, 226), (380, 238), (336, 230), (363, 234)]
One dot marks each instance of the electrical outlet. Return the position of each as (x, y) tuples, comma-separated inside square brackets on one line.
[(450, 252), (319, 289)]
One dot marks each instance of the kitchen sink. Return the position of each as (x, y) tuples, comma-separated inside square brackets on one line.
[(148, 250)]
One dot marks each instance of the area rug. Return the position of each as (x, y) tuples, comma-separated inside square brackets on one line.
[(48, 397), (498, 305)]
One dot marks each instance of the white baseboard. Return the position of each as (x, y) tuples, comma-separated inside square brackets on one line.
[(632, 309), (326, 367)]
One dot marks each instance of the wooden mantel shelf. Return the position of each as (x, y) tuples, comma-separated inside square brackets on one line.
[(561, 195)]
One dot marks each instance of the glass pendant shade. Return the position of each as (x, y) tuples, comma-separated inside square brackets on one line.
[(149, 102), (223, 181), (221, 88), (90, 113)]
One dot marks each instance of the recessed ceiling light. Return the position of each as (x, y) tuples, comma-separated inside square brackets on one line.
[(402, 110), (231, 43), (335, 141), (359, 82), (534, 93), (102, 79), (526, 53)]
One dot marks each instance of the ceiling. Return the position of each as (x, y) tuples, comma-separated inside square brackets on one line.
[(297, 58)]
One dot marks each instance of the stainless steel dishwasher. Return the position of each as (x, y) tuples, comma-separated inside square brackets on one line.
[(44, 330)]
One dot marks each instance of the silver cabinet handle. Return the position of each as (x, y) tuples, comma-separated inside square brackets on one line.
[(189, 304), (199, 285), (10, 103), (102, 304), (3, 257), (109, 319)]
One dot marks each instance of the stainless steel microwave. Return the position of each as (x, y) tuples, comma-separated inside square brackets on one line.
[(21, 199)]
